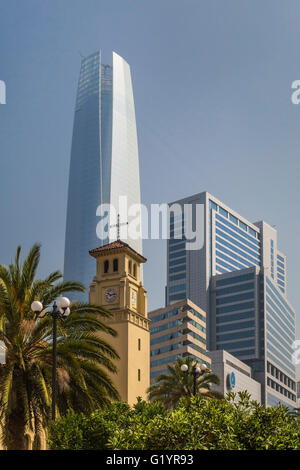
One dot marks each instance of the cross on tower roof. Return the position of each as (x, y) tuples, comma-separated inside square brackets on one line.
[(118, 225)]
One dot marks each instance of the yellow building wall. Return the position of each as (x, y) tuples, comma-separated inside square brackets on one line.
[(138, 360), (119, 343), (129, 319)]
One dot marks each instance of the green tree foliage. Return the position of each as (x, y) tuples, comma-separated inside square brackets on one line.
[(232, 423), (83, 358)]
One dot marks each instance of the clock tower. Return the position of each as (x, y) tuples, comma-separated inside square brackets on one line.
[(117, 286)]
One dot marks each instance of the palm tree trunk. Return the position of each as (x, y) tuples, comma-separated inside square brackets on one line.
[(16, 432)]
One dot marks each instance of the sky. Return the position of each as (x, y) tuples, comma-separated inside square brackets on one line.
[(212, 89)]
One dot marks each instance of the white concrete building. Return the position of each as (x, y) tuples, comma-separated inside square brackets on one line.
[(235, 375)]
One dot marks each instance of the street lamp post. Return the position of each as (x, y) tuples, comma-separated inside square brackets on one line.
[(196, 370), (57, 313)]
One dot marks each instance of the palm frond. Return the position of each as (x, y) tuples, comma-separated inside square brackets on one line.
[(169, 388), (85, 358), (61, 288)]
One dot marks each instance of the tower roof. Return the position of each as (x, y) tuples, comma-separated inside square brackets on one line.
[(116, 246)]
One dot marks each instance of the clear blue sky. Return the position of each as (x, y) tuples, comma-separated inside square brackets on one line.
[(212, 86)]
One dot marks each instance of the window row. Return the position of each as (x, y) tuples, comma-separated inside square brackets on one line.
[(271, 383), (236, 345), (240, 236), (286, 354), (280, 328), (235, 308), (164, 349), (177, 277), (242, 232), (236, 326), (281, 299), (250, 314), (279, 375), (278, 359), (250, 333), (106, 266), (234, 279), (234, 258), (176, 254), (285, 344), (236, 288), (233, 219), (235, 298), (280, 311), (173, 297), (178, 288), (132, 267), (251, 255)]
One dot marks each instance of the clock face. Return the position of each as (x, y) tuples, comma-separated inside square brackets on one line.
[(110, 295), (133, 297)]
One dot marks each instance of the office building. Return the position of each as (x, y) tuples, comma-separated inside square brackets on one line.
[(178, 330), (231, 243), (235, 376), (253, 320), (298, 395), (104, 159), (239, 277)]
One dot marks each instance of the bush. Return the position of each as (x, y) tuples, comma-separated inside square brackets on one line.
[(202, 424), (94, 432)]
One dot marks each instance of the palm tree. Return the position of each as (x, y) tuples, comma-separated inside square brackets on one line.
[(295, 412), (84, 358), (169, 388)]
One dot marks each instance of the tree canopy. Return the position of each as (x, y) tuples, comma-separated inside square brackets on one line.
[(234, 423)]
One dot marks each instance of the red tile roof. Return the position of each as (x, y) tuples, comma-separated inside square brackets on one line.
[(116, 245)]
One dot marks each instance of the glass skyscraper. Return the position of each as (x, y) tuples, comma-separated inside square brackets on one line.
[(104, 160), (231, 243), (239, 279)]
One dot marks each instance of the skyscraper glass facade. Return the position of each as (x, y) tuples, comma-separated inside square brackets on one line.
[(235, 305), (239, 277), (237, 245), (280, 329), (176, 261), (253, 320), (104, 159)]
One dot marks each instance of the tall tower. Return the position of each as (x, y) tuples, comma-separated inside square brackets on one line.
[(117, 286), (104, 160), (239, 278)]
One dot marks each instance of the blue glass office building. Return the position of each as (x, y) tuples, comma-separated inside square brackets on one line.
[(104, 159), (239, 279)]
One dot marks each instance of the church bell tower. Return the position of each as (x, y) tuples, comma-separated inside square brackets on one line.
[(117, 286)]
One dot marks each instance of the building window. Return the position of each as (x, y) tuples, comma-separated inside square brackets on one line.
[(213, 206), (129, 267), (233, 219), (223, 212), (106, 266), (134, 270), (139, 344), (116, 265), (139, 375), (243, 226)]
